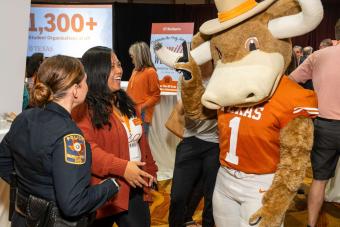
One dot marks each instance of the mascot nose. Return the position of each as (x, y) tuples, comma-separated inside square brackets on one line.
[(250, 95), (211, 101)]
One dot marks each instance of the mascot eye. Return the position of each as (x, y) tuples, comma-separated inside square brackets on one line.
[(219, 53), (252, 44)]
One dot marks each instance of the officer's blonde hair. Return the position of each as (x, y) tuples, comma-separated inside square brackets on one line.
[(56, 75)]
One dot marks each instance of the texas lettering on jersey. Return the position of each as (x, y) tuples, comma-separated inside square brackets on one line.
[(254, 113), (249, 137)]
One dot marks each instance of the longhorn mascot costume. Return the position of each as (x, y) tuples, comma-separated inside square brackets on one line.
[(264, 118)]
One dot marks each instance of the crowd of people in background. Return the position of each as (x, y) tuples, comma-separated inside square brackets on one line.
[(299, 55)]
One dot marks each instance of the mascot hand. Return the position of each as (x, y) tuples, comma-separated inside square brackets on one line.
[(275, 202), (183, 63), (274, 205), (258, 216), (266, 217), (192, 87)]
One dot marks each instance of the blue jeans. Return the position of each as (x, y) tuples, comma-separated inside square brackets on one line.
[(146, 125)]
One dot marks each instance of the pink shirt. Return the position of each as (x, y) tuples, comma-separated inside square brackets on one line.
[(323, 67)]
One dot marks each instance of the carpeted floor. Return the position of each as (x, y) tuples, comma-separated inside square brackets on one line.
[(295, 217), (160, 207)]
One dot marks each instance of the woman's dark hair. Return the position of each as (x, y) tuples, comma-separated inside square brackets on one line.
[(100, 99), (33, 63)]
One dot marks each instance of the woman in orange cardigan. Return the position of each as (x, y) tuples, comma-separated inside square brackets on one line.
[(143, 85), (120, 149)]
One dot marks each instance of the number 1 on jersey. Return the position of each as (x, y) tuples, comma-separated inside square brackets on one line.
[(231, 154)]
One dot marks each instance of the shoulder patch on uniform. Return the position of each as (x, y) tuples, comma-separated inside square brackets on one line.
[(75, 149)]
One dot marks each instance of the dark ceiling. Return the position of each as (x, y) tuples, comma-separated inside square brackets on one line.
[(331, 2)]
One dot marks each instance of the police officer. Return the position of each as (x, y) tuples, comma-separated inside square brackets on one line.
[(49, 154)]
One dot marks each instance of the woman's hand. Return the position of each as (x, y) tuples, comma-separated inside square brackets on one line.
[(134, 175), (152, 181)]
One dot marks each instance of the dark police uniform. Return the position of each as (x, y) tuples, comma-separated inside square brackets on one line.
[(52, 161)]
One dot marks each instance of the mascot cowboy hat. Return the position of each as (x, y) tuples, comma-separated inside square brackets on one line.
[(232, 12)]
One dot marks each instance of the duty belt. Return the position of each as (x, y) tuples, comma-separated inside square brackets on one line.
[(41, 213), (21, 204)]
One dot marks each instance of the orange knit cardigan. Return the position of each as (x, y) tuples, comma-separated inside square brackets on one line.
[(110, 155)]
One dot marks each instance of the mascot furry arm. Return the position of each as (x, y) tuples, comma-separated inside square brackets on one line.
[(250, 56), (192, 88), (296, 141)]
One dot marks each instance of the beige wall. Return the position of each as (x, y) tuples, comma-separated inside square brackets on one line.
[(14, 16)]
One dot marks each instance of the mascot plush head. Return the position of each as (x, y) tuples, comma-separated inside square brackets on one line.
[(249, 46)]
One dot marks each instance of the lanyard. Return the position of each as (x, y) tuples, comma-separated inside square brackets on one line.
[(124, 119)]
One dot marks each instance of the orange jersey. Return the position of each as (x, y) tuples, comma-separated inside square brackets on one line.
[(249, 137)]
